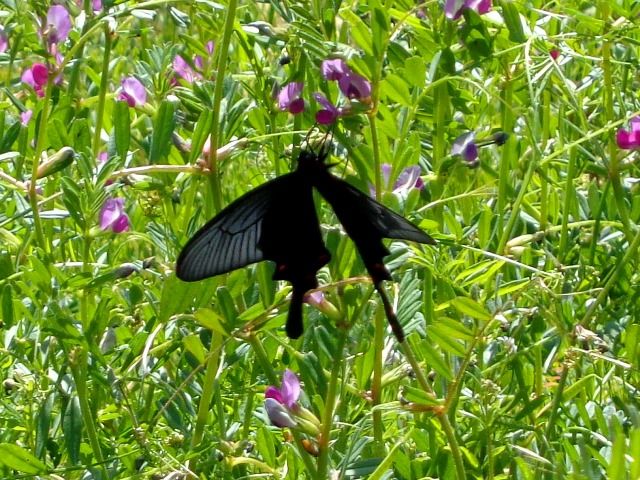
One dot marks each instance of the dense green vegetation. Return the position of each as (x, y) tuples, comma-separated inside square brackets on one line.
[(125, 126)]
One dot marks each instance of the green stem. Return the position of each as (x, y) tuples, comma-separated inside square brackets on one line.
[(376, 381), (213, 364), (221, 69), (79, 370), (329, 407), (40, 142), (104, 80)]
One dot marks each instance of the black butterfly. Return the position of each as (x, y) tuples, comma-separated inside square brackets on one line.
[(277, 221)]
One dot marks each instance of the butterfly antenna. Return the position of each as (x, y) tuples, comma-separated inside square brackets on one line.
[(396, 328)]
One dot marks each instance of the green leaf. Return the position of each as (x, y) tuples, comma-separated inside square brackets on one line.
[(43, 424), (379, 29), (194, 346), (202, 131), (512, 20), (415, 71), (10, 137), (359, 30), (17, 458), (396, 88), (7, 306), (72, 429), (121, 128), (162, 130), (470, 307), (71, 198)]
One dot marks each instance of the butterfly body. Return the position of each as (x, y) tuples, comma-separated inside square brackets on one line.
[(277, 221)]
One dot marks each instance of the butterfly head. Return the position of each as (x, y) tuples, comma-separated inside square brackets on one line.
[(310, 161)]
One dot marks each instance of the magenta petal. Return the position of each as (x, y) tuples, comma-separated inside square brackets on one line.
[(355, 86), (27, 77), (325, 117), (288, 94), (40, 73), (111, 213), (184, 70), (290, 388), (25, 117), (625, 140), (4, 41), (121, 224), (133, 92), (273, 392), (59, 22), (297, 106)]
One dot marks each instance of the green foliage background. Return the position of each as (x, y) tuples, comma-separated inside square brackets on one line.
[(524, 319)]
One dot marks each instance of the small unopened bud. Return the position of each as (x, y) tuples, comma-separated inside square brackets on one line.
[(59, 160)]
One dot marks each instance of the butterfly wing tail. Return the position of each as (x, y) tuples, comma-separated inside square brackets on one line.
[(396, 328), (294, 325)]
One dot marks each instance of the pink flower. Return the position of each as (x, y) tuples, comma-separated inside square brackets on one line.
[(184, 70), (355, 86), (329, 113), (453, 8), (4, 40), (113, 217), (289, 98), (409, 178), (352, 85), (36, 77), (58, 24), (132, 92), (25, 117), (281, 403), (334, 69), (629, 139)]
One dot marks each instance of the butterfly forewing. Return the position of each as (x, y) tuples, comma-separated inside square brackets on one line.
[(230, 239)]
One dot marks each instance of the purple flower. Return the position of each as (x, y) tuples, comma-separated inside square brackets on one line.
[(25, 117), (289, 391), (184, 70), (409, 178), (281, 403), (289, 98), (318, 300), (334, 69), (453, 8), (36, 77), (4, 40), (132, 92), (629, 139), (352, 85), (58, 24), (355, 86), (465, 146), (329, 113), (113, 216), (97, 5)]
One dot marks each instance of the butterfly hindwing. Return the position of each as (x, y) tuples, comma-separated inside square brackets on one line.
[(367, 222)]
